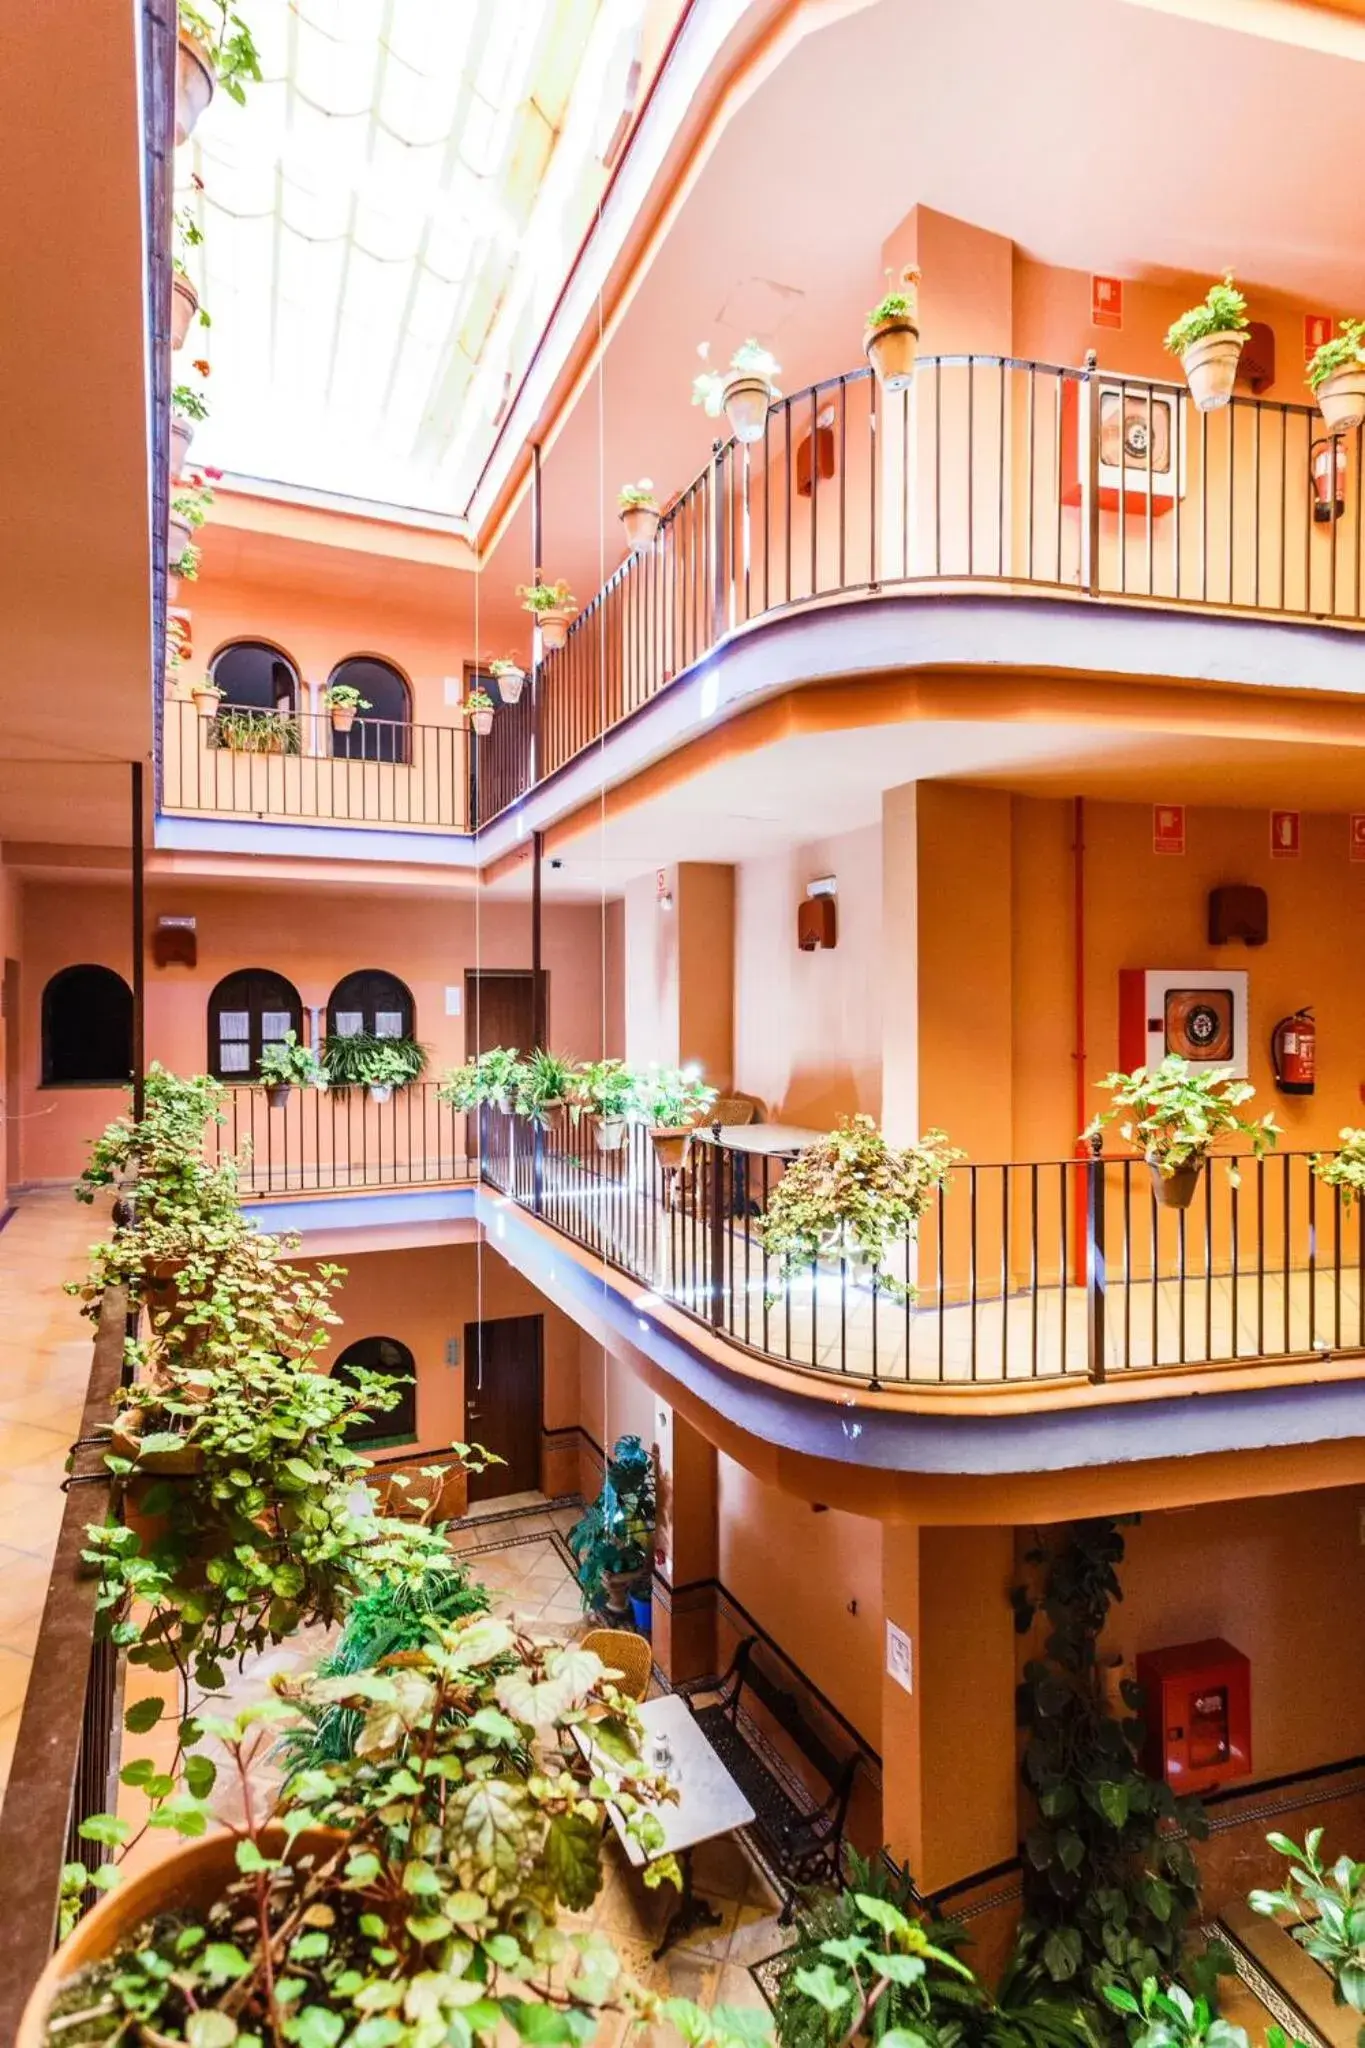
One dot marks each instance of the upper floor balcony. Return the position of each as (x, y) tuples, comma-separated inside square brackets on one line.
[(991, 474)]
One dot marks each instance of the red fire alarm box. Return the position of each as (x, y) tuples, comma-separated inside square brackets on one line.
[(1198, 1714)]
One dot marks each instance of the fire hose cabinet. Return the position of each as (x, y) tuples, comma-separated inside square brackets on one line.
[(1198, 1714)]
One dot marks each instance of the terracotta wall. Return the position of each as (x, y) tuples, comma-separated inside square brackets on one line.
[(677, 983), (808, 1025)]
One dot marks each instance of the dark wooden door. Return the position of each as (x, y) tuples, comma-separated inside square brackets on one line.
[(502, 1373), (499, 1009)]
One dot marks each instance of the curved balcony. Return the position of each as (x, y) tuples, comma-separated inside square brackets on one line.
[(992, 472)]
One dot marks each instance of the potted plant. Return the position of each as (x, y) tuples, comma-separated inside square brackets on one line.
[(892, 334), (243, 730), (343, 702), (606, 1089), (214, 47), (181, 568), (543, 1084), (1345, 1168), (287, 1065), (189, 510), (479, 709), (359, 1059), (743, 392), (613, 1540), (206, 697), (1175, 1114), (673, 1101), (1209, 340), (639, 512), (853, 1196), (184, 304), (1336, 373), (552, 607), (510, 676)]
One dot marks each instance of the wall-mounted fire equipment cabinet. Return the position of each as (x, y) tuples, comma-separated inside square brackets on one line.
[(1198, 1714)]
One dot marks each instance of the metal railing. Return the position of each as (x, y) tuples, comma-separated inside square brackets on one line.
[(294, 765), (991, 470), (1005, 1284), (339, 1139)]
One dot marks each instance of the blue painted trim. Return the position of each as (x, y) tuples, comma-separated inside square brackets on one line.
[(363, 1211), (317, 842)]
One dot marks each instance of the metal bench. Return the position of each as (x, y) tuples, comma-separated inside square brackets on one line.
[(800, 1841)]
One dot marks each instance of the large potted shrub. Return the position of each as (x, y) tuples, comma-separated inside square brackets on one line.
[(613, 1540), (1209, 340), (673, 1101), (287, 1065), (1336, 374), (743, 393), (892, 335), (1175, 1114), (214, 47), (639, 513), (852, 1196), (552, 607)]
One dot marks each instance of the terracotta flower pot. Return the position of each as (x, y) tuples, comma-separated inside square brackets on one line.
[(278, 1093), (195, 80), (618, 1587), (1341, 398), (511, 683), (890, 348), (611, 1133), (554, 629), (746, 400), (343, 717), (206, 702), (1210, 369), (641, 523), (179, 536), (182, 433), (1174, 1190), (482, 722), (670, 1144), (184, 306), (187, 1880)]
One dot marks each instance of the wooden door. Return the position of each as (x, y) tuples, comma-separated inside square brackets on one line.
[(499, 1009), (502, 1376)]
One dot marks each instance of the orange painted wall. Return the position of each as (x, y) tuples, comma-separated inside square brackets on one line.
[(808, 1025), (965, 1679)]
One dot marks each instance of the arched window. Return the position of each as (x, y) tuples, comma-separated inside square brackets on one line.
[(396, 1425), (254, 676), (382, 733), (87, 1028), (371, 1002), (248, 1011)]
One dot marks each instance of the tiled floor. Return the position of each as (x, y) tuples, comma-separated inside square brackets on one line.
[(45, 1357)]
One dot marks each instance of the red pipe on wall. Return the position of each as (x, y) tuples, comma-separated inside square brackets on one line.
[(1079, 1261)]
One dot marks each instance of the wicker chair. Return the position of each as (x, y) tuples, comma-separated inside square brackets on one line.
[(622, 1650), (726, 1109)]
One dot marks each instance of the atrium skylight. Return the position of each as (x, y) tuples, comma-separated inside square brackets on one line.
[(387, 223)]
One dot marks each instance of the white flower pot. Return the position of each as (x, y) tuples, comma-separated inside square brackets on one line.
[(890, 348), (1342, 398), (482, 722), (380, 1091), (1210, 369), (746, 401), (611, 1133), (179, 536), (554, 629), (511, 684), (343, 717), (641, 523), (195, 80), (182, 433), (184, 306)]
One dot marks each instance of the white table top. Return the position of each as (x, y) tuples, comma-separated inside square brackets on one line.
[(760, 1138), (709, 1802)]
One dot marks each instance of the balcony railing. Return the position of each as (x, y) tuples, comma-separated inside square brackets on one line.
[(289, 765), (991, 471), (340, 1140), (1009, 1286)]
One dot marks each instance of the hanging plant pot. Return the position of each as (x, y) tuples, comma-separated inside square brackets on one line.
[(611, 1133), (343, 717), (746, 400), (1174, 1190), (641, 523), (890, 348), (182, 433), (380, 1091), (1210, 367), (511, 683), (179, 535), (184, 306), (195, 80), (482, 722), (554, 629), (206, 702), (1341, 398), (670, 1145), (278, 1093)]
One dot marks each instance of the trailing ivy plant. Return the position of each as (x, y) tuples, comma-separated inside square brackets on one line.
[(1175, 1113), (854, 1196), (1110, 1883)]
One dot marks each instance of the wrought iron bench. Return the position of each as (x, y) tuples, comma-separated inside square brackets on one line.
[(800, 1841)]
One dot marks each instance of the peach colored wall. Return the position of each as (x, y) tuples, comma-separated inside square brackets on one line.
[(796, 1571), (706, 958), (314, 939), (964, 966), (651, 971), (613, 1402), (966, 1679), (808, 1025)]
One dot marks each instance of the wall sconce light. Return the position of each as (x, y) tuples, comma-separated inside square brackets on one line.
[(1327, 460)]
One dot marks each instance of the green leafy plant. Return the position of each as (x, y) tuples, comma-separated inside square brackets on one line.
[(359, 1059), (543, 1084), (546, 597), (673, 1098), (244, 731), (491, 1078), (1345, 351), (1325, 1910), (902, 305), (853, 1196), (189, 403), (1222, 311), (637, 497), (1344, 1168), (1173, 2019), (614, 1537), (288, 1064), (750, 359), (343, 697), (1110, 1884), (228, 43), (186, 565), (192, 501), (1177, 1112), (478, 700), (506, 665), (605, 1088)]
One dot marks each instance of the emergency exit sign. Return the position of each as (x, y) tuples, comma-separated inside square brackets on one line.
[(1106, 302)]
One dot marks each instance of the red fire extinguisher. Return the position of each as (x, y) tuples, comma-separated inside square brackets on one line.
[(1294, 1053)]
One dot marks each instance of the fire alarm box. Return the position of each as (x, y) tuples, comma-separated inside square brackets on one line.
[(1142, 437), (1198, 1714), (1200, 1014)]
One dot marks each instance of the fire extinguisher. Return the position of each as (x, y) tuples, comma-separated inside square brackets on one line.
[(1294, 1053)]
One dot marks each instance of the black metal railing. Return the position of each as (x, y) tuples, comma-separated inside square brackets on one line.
[(993, 470), (1055, 1270), (239, 762), (340, 1139)]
